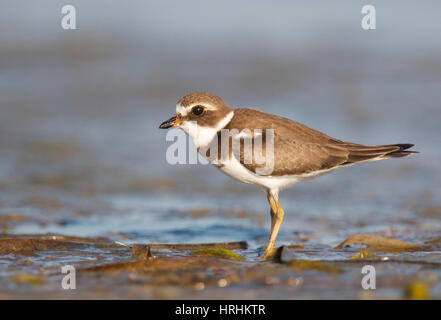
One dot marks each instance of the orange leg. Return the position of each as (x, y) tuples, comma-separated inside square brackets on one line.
[(277, 214)]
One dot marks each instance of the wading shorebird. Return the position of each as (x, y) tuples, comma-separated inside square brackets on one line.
[(298, 153)]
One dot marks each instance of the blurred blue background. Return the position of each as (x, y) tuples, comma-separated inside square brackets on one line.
[(80, 111)]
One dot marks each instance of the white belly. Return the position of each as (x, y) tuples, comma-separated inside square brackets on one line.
[(234, 169)]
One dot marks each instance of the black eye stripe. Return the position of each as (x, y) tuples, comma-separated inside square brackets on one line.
[(198, 110)]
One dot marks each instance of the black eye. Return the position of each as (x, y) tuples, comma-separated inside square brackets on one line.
[(198, 110)]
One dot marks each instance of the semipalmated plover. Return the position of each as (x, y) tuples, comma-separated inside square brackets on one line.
[(298, 153)]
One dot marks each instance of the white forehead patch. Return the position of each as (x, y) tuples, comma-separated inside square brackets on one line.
[(183, 111)]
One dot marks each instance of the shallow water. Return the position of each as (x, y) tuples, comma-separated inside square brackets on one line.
[(81, 154)]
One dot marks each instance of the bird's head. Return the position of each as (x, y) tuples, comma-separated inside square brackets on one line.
[(201, 115)]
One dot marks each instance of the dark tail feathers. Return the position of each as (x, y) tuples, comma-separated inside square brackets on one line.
[(361, 153)]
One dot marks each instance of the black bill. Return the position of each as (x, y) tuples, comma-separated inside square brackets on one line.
[(168, 123)]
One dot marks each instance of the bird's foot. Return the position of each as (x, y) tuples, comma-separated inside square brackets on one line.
[(268, 254)]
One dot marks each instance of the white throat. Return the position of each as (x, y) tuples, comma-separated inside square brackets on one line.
[(201, 135)]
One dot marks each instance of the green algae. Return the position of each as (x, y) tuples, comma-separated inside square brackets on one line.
[(434, 241), (218, 253), (28, 279), (363, 255), (417, 290), (381, 244), (306, 265), (114, 245)]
